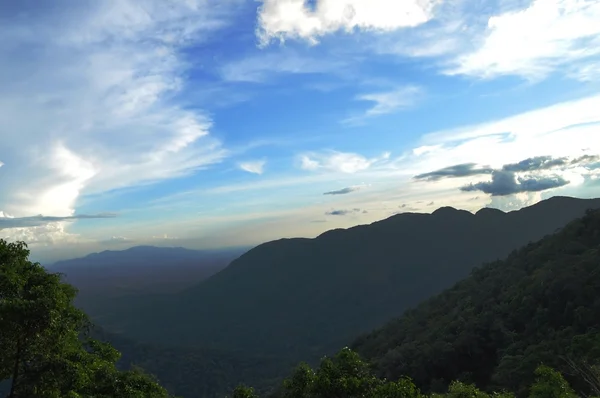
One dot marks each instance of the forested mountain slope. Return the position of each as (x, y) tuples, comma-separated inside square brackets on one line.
[(198, 372), (308, 297), (541, 304)]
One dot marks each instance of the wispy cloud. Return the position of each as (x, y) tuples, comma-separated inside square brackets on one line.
[(22, 222), (343, 212), (343, 191), (254, 167), (459, 170), (259, 68), (100, 115), (387, 102)]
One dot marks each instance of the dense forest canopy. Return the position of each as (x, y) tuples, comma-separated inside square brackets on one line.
[(45, 350), (540, 305)]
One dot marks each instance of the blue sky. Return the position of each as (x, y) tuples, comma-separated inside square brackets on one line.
[(221, 123)]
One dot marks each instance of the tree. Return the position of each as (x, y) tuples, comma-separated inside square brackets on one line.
[(46, 351), (550, 384), (244, 392)]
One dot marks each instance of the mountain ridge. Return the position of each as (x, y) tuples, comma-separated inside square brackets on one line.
[(379, 269)]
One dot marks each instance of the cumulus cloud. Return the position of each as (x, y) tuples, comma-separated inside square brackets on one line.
[(343, 191), (343, 212), (254, 167), (43, 234), (459, 170), (342, 162), (529, 39), (506, 183), (295, 19), (536, 40)]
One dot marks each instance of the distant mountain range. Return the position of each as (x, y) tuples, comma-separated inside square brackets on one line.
[(307, 297), (140, 270)]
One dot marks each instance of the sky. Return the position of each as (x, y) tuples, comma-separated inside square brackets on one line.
[(219, 123)]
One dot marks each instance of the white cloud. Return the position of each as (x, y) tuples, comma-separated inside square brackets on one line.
[(387, 102), (534, 125), (47, 234), (116, 240), (165, 237), (255, 167), (528, 38), (100, 114), (534, 41), (339, 162), (258, 68), (294, 19)]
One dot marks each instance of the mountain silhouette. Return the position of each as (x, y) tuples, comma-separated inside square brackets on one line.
[(308, 297)]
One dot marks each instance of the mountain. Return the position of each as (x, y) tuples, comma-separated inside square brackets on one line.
[(304, 298), (540, 305), (139, 271)]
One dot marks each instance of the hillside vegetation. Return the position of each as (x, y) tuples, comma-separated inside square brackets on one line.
[(45, 350), (347, 375), (540, 305)]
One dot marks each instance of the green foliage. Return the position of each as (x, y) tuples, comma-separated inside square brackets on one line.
[(498, 325), (244, 392), (344, 375), (347, 376), (45, 350), (550, 384)]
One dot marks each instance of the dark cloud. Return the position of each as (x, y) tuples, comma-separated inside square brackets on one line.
[(505, 183), (36, 221), (342, 191), (533, 164), (459, 170), (536, 163), (342, 212), (586, 159)]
